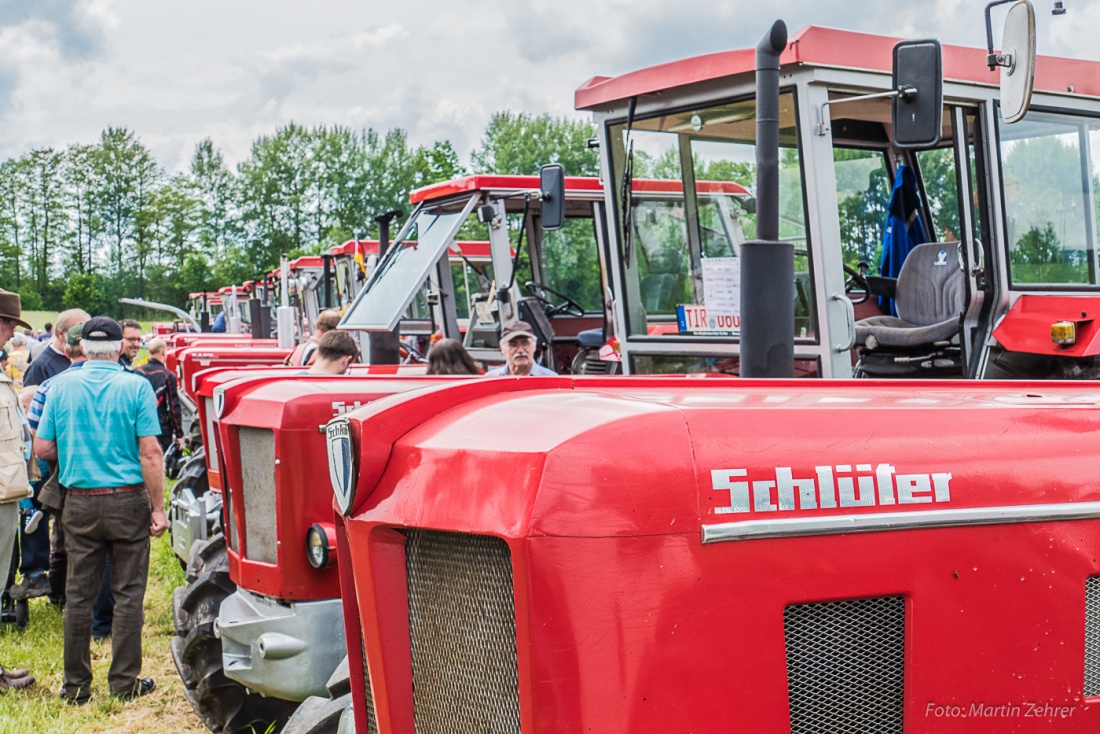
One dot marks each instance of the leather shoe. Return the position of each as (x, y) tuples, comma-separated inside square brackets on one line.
[(13, 683), (76, 697), (143, 687), (30, 588)]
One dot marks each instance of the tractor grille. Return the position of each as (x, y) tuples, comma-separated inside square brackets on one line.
[(231, 514), (372, 717), (211, 438), (589, 363), (845, 665), (462, 622), (1092, 636), (257, 457)]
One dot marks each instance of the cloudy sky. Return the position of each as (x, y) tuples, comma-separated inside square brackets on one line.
[(176, 72)]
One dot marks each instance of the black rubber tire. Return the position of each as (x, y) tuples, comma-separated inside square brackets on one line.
[(193, 474), (224, 705), (207, 555), (22, 614), (321, 715)]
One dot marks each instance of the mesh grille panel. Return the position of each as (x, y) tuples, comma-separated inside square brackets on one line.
[(231, 514), (372, 718), (845, 665), (257, 457), (1092, 636), (462, 622)]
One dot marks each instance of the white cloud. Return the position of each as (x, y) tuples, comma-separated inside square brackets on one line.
[(178, 71)]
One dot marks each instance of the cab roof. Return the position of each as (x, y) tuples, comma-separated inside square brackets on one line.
[(575, 184), (351, 247), (830, 47)]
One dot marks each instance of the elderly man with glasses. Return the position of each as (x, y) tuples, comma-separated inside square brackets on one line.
[(518, 344)]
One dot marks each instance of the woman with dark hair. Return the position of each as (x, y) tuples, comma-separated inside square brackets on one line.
[(449, 357)]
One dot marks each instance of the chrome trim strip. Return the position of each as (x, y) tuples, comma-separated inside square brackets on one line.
[(879, 521)]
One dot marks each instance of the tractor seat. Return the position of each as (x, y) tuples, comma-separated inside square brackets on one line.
[(930, 297), (591, 338)]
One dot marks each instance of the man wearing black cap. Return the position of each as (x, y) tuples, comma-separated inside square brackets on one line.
[(101, 426), (16, 485), (517, 344), (31, 542)]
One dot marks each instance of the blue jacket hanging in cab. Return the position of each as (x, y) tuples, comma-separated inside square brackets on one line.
[(904, 229)]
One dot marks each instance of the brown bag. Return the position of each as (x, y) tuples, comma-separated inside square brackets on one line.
[(51, 494)]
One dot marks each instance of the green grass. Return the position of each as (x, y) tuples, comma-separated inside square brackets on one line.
[(39, 648), (38, 319)]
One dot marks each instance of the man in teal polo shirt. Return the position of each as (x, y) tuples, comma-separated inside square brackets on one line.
[(101, 426)]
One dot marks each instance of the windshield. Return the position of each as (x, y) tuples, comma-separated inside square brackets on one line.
[(401, 273), (1051, 168), (690, 212)]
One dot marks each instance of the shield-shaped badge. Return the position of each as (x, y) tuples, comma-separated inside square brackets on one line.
[(219, 402), (338, 437)]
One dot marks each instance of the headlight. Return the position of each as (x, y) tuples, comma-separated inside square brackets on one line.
[(319, 545), (341, 463)]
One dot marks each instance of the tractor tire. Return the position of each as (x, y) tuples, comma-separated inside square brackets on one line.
[(207, 555), (321, 715), (193, 474), (224, 705)]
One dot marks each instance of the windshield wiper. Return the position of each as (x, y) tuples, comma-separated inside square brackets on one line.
[(626, 191)]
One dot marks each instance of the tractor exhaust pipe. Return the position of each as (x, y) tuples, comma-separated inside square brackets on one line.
[(767, 265)]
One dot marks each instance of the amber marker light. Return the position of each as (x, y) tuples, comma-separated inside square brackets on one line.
[(1063, 332)]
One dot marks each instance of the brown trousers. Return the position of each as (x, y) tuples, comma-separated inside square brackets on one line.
[(95, 526)]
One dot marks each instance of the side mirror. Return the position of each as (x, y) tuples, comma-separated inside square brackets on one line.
[(552, 183), (918, 106), (1017, 61)]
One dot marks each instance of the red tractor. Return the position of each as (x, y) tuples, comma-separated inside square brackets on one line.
[(525, 557), (559, 281), (255, 625), (521, 555)]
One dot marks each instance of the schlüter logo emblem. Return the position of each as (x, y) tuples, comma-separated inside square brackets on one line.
[(829, 487), (338, 438), (219, 401)]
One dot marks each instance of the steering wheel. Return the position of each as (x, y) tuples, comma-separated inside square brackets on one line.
[(542, 293), (857, 281)]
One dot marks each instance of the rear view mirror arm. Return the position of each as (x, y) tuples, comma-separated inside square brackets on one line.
[(905, 92), (994, 59)]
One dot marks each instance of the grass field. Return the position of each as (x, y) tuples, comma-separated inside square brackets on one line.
[(39, 648), (38, 319)]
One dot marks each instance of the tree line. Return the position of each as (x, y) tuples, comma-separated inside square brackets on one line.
[(86, 225)]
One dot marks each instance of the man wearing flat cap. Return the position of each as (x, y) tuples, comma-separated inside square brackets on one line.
[(100, 424), (14, 459), (517, 344)]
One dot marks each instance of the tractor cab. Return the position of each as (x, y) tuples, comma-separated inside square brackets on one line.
[(208, 302), (970, 253), (350, 264), (515, 269), (234, 299)]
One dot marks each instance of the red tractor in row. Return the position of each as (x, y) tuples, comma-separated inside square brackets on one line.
[(575, 554)]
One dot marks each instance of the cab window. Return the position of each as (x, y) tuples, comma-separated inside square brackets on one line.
[(690, 209), (1051, 164)]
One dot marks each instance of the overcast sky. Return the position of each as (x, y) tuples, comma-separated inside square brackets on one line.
[(177, 72)]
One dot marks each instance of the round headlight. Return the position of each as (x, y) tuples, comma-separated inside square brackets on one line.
[(317, 546)]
